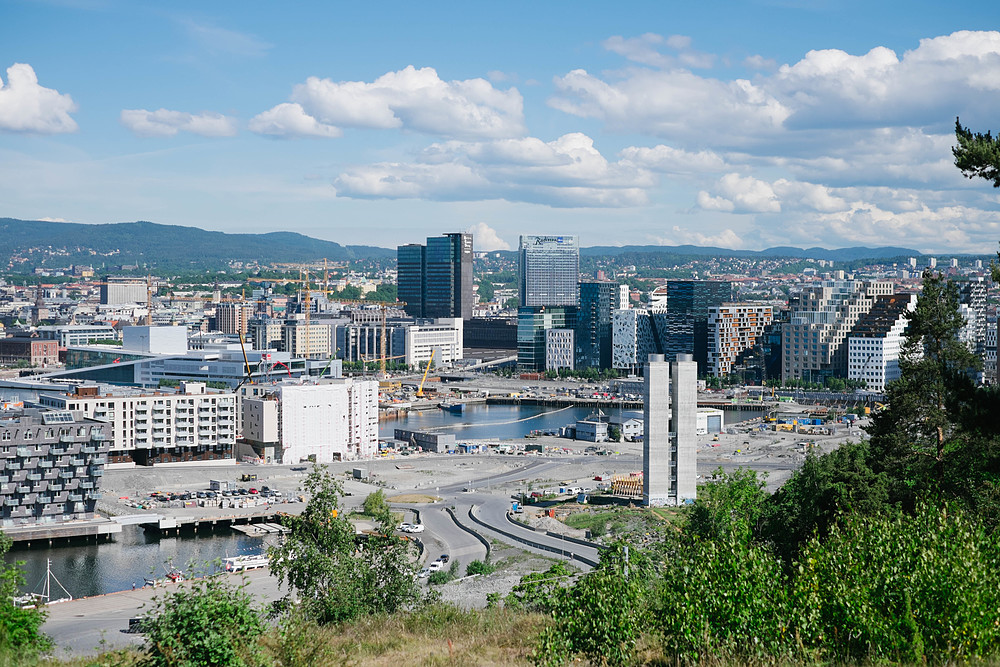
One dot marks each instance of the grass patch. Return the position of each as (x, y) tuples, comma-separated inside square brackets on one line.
[(414, 498), (437, 634), (616, 522)]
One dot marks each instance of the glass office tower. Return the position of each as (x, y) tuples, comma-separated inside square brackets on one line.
[(549, 271)]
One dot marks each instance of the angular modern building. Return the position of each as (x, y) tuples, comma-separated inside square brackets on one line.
[(549, 271), (821, 317), (410, 278), (874, 344), (435, 280), (594, 323), (632, 339), (670, 422), (51, 466)]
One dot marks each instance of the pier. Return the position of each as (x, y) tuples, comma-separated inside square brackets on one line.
[(249, 524), (47, 535)]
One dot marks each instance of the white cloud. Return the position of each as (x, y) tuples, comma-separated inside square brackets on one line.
[(290, 120), (674, 103), (741, 194), (26, 106), (486, 238), (956, 228), (167, 123), (727, 238), (957, 74), (759, 62), (646, 49), (565, 172), (668, 159), (411, 99)]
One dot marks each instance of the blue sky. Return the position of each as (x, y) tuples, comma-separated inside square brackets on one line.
[(738, 124)]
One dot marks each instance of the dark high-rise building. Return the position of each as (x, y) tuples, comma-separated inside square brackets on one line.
[(598, 301), (436, 280), (686, 325), (410, 278), (549, 271)]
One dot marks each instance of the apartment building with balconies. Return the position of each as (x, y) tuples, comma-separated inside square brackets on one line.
[(189, 426), (51, 466)]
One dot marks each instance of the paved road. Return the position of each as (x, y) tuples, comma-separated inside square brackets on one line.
[(91, 625)]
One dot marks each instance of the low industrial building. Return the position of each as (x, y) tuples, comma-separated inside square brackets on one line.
[(710, 420), (438, 443)]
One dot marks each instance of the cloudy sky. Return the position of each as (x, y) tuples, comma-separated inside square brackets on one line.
[(738, 124)]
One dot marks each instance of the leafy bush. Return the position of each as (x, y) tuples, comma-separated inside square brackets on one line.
[(603, 615), (537, 590), (480, 567), (903, 588), (204, 622), (20, 629), (724, 598)]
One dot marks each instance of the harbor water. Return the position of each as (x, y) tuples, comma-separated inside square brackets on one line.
[(507, 422), (95, 569)]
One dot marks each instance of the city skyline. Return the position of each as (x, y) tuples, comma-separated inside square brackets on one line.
[(776, 124)]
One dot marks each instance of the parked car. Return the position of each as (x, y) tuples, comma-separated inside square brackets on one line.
[(416, 528), (405, 527), (444, 558), (436, 566), (253, 491), (424, 573)]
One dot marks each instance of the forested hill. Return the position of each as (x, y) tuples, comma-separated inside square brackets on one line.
[(35, 243)]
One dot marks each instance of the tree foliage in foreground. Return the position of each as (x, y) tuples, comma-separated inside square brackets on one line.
[(335, 576), (20, 629), (977, 155), (204, 622)]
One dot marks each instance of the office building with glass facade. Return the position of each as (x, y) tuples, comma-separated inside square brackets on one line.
[(549, 271), (436, 280)]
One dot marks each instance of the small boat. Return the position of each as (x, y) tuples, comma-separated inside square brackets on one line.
[(457, 408), (44, 596), (247, 562)]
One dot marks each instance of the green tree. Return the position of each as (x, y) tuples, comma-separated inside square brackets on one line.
[(977, 155), (376, 505), (913, 438), (604, 614), (204, 622), (730, 506), (336, 577), (485, 291), (20, 629), (810, 502)]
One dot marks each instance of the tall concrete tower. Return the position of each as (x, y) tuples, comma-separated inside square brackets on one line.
[(670, 421)]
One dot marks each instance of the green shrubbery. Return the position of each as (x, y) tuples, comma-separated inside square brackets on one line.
[(20, 629), (204, 622)]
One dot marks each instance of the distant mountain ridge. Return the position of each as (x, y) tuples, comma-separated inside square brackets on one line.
[(838, 255), (158, 245), (165, 245)]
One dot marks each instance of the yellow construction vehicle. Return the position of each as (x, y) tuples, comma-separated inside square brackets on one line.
[(420, 389)]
